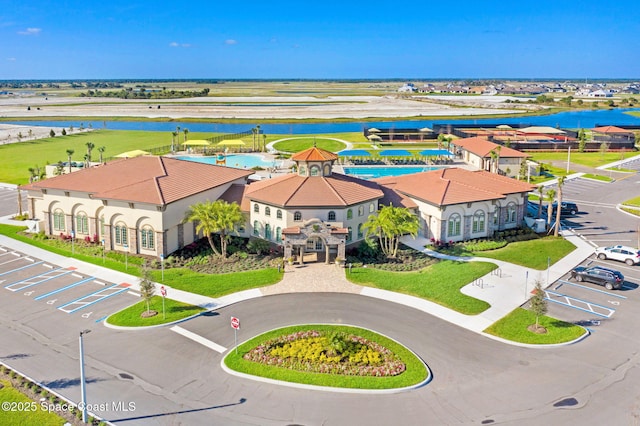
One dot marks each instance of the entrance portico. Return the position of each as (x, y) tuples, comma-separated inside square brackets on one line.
[(314, 236)]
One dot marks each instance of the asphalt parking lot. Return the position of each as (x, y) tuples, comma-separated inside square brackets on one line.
[(34, 285), (9, 201)]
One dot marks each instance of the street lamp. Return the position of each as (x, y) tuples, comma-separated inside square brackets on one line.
[(162, 264), (73, 237), (103, 249), (126, 257), (83, 386)]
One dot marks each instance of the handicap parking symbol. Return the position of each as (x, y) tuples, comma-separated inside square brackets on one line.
[(51, 302), (86, 315), (28, 293)]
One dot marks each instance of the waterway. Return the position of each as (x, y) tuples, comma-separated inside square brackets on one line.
[(566, 120)]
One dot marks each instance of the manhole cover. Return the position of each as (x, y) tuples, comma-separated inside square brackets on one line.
[(126, 376), (567, 402)]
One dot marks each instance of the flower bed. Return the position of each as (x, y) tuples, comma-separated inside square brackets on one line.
[(330, 353)]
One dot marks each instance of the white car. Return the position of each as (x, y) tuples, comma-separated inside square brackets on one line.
[(628, 255)]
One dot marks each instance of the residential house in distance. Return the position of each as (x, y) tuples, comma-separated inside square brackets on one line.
[(477, 151)]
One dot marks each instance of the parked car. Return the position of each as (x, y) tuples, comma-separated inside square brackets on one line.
[(566, 208), (598, 275), (628, 255)]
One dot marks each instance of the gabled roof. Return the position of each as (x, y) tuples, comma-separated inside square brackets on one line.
[(454, 186), (147, 179), (314, 154), (482, 147), (293, 190), (610, 129), (542, 129)]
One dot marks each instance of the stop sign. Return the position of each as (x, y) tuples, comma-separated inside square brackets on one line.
[(235, 323), (163, 291)]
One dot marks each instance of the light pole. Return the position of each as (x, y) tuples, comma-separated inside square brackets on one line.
[(73, 237), (83, 385), (162, 264), (568, 159), (126, 257), (103, 249)]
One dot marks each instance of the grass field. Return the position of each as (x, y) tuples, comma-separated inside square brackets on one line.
[(533, 253), (173, 311), (514, 327), (31, 412)]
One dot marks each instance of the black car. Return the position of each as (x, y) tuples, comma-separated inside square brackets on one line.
[(566, 208), (598, 275)]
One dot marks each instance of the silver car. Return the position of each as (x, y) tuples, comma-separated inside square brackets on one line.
[(628, 255)]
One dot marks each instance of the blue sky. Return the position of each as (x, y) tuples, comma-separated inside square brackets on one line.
[(69, 39)]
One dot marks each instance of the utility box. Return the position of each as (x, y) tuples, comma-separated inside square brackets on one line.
[(538, 225)]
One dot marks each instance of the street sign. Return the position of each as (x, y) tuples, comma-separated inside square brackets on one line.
[(163, 291), (235, 323)]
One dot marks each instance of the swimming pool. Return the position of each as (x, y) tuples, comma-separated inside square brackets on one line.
[(238, 161), (371, 172)]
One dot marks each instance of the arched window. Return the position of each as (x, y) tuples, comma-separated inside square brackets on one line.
[(256, 208), (331, 216), (372, 208), (120, 234), (303, 171), (350, 234), (360, 231), (82, 223), (279, 234), (511, 212), (256, 228), (147, 238), (297, 217), (279, 214), (267, 211), (58, 220), (327, 170), (267, 232), (102, 226), (360, 210), (349, 214), (314, 170), (478, 222), (453, 225)]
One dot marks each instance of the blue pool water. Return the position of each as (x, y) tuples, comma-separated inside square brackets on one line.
[(239, 161), (370, 172)]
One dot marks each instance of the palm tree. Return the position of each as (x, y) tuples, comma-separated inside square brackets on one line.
[(69, 154), (87, 160), (186, 132), (101, 150), (178, 133), (551, 194), (216, 217), (173, 140), (389, 224), (556, 231), (90, 146), (540, 197)]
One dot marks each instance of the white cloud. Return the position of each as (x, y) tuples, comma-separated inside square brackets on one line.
[(11, 59), (176, 44), (30, 31), (230, 41)]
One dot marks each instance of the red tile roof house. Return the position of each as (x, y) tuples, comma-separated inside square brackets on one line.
[(135, 205), (138, 204), (476, 151)]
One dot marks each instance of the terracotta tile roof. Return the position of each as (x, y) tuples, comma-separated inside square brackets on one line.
[(314, 154), (235, 194), (292, 190), (146, 179), (610, 129), (291, 230), (482, 147), (454, 186)]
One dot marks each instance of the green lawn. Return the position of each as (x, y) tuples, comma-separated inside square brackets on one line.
[(415, 372), (302, 143), (439, 283), (590, 159), (31, 414), (533, 253), (514, 327), (597, 177), (174, 311), (632, 202)]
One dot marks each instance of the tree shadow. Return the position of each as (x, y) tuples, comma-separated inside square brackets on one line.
[(16, 356), (65, 383)]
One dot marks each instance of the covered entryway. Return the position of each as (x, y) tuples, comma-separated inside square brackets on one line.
[(324, 240)]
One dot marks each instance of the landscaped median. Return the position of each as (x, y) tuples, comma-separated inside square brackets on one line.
[(171, 311), (329, 356)]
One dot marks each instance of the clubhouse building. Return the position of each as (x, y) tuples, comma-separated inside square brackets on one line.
[(138, 205)]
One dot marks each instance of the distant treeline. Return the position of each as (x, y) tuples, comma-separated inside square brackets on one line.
[(143, 93)]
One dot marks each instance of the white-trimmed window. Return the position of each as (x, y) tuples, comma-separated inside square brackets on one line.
[(478, 222), (256, 228), (267, 232), (349, 214), (297, 217), (279, 234), (360, 232), (314, 170), (350, 234), (279, 214), (58, 220), (511, 212), (360, 210), (267, 211), (372, 208), (120, 234), (453, 225), (147, 238), (331, 217), (82, 223), (256, 208)]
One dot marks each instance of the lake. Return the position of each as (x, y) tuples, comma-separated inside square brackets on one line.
[(567, 120)]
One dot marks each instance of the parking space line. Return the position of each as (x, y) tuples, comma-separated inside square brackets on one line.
[(100, 295), (38, 279), (597, 290), (199, 339), (22, 267), (63, 288), (569, 301), (13, 260)]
